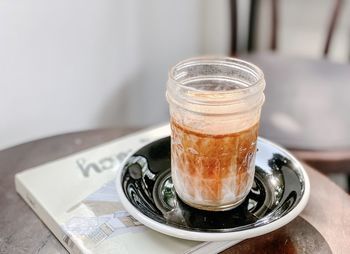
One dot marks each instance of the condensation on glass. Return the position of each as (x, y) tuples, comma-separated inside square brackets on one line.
[(215, 106)]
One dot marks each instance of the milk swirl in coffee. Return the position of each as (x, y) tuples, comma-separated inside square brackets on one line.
[(209, 169)]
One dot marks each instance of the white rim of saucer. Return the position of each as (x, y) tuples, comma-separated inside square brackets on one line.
[(219, 236)]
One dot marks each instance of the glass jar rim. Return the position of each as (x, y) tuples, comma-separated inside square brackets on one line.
[(223, 60)]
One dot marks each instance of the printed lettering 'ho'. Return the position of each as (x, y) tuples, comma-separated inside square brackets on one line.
[(106, 163)]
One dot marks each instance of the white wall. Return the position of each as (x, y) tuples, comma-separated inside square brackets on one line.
[(82, 64)]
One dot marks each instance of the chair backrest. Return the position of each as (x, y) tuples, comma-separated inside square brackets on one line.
[(275, 17)]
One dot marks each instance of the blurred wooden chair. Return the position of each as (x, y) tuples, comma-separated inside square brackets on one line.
[(307, 107)]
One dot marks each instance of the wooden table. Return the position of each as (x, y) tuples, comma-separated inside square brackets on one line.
[(323, 227)]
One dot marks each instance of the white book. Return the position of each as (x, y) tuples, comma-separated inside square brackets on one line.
[(76, 198)]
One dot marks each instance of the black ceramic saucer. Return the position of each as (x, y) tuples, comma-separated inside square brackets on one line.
[(279, 193)]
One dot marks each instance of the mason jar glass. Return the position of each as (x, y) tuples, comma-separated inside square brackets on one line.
[(215, 105)]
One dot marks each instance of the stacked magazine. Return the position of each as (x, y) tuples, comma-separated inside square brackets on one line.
[(76, 198)]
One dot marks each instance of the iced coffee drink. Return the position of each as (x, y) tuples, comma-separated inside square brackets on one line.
[(215, 106)]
